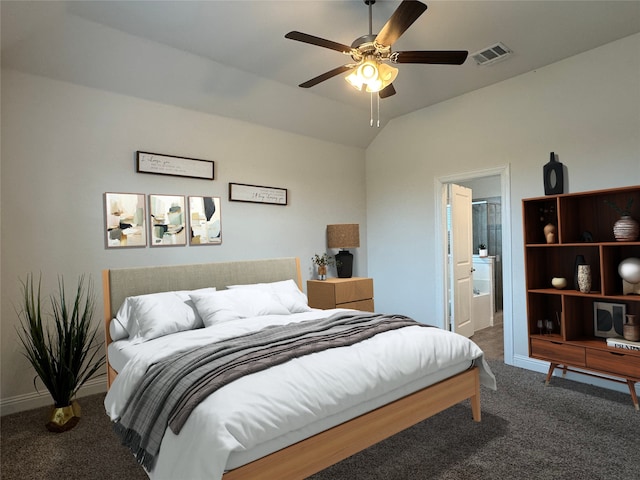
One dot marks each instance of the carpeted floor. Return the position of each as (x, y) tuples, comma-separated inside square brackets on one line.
[(567, 430)]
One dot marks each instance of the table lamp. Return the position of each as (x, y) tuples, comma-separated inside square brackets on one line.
[(343, 236)]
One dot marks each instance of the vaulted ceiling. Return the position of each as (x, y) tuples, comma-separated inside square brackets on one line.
[(230, 58)]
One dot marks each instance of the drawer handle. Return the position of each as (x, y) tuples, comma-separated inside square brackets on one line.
[(617, 354)]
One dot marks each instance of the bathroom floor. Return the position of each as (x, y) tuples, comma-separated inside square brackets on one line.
[(491, 341)]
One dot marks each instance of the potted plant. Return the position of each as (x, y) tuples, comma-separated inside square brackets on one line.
[(321, 262), (64, 353), (626, 229), (482, 250)]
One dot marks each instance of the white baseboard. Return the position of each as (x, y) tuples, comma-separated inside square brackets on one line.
[(29, 401)]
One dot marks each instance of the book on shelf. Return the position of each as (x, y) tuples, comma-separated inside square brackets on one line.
[(623, 343)]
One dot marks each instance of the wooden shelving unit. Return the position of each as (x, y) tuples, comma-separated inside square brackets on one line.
[(572, 343)]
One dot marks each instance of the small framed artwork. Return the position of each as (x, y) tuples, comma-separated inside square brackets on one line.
[(239, 192), (147, 162), (204, 221), (608, 319), (167, 220), (125, 220)]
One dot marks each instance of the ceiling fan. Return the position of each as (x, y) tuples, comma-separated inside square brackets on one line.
[(371, 53)]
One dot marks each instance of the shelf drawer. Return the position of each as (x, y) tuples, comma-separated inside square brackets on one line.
[(558, 352), (618, 363)]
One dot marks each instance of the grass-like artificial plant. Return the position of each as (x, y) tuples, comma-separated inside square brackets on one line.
[(67, 355)]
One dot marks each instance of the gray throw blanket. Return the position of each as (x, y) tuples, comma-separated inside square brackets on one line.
[(172, 388)]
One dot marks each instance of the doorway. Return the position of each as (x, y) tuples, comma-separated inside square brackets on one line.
[(486, 184)]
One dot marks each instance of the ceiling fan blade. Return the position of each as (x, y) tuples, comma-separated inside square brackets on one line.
[(326, 76), (387, 91), (320, 42), (407, 13), (443, 57)]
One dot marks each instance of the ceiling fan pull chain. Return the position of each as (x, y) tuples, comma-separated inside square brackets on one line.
[(371, 110), (378, 97)]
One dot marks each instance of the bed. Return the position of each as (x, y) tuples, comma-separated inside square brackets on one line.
[(292, 419)]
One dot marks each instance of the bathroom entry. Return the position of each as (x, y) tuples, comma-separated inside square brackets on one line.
[(486, 219), (484, 301), (490, 182)]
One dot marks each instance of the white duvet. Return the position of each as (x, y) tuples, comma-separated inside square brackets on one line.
[(265, 411)]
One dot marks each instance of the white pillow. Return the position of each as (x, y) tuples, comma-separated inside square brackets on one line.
[(149, 316), (286, 291), (117, 330), (228, 305)]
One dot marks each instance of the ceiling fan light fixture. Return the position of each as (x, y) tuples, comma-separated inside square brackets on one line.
[(354, 80), (372, 73), (375, 86), (368, 71), (387, 73), (386, 76)]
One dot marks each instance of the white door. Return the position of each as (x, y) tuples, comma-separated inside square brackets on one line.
[(461, 259)]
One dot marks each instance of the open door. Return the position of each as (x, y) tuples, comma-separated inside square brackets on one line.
[(461, 271)]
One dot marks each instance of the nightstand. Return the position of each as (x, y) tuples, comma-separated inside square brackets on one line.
[(353, 292)]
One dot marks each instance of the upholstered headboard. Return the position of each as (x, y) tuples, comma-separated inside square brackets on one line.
[(121, 283)]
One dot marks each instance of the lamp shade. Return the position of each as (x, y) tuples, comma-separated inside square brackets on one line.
[(344, 235)]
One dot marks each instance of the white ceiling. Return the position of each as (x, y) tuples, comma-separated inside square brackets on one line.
[(230, 58)]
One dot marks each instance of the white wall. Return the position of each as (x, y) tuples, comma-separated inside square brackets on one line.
[(64, 146), (585, 108)]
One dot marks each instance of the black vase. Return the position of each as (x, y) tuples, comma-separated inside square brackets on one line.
[(579, 261), (344, 263), (553, 176)]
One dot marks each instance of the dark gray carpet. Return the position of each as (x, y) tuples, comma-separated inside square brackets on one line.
[(567, 430)]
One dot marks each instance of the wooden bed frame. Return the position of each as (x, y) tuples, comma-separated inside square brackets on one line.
[(320, 451)]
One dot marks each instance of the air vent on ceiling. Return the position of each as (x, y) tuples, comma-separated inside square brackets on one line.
[(491, 54)]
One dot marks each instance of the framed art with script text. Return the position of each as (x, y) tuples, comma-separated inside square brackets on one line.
[(156, 163), (239, 192)]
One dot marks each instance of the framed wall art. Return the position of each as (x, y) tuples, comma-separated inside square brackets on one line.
[(167, 225), (159, 164), (608, 319), (125, 220), (204, 221), (239, 192)]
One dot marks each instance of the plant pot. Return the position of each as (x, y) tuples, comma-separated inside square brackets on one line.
[(626, 229), (322, 272), (62, 419), (483, 252)]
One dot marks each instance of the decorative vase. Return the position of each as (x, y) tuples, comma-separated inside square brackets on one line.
[(63, 419), (629, 269), (626, 229), (579, 261), (550, 233), (322, 272), (631, 329), (584, 278), (553, 175), (559, 282)]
